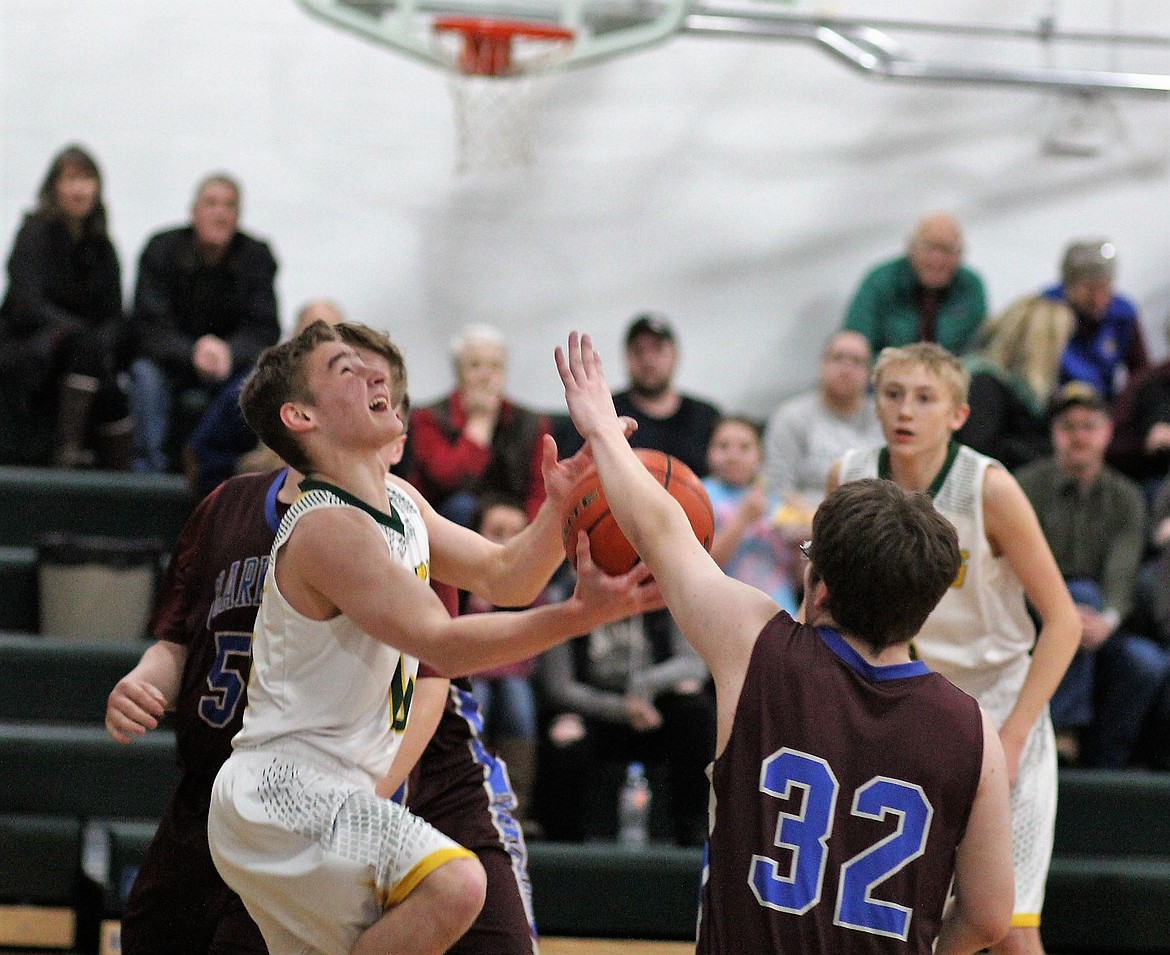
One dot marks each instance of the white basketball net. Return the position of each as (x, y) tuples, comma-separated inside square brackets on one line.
[(495, 115)]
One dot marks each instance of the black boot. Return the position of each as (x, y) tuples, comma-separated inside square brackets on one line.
[(116, 445), (74, 403)]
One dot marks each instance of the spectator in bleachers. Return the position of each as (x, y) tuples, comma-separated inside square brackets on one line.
[(1013, 377), (668, 420), (1141, 434), (1107, 341), (222, 444), (204, 309), (748, 544), (476, 439), (61, 328), (807, 433), (926, 295), (632, 690), (1094, 519)]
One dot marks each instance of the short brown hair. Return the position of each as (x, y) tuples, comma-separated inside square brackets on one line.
[(362, 336), (886, 557), (932, 357), (280, 376)]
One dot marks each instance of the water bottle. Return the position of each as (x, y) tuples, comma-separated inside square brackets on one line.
[(634, 806)]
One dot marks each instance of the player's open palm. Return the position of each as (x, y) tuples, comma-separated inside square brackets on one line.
[(586, 392)]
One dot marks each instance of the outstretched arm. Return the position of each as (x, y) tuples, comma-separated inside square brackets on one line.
[(721, 617), (391, 604), (140, 698)]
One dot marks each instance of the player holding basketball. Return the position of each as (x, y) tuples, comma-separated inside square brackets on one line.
[(981, 636), (877, 779), (170, 906)]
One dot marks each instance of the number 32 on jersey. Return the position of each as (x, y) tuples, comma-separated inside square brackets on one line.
[(806, 835)]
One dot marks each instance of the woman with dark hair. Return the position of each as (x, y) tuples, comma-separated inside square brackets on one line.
[(60, 324)]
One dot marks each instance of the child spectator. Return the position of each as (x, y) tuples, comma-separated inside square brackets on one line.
[(748, 544)]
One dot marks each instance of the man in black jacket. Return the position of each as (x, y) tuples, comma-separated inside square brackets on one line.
[(204, 309)]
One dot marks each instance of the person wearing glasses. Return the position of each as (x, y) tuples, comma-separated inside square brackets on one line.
[(926, 295), (1107, 345), (850, 783), (982, 636)]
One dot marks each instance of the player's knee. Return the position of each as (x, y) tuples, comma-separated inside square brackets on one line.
[(462, 888)]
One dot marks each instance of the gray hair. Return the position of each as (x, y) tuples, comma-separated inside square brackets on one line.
[(474, 334)]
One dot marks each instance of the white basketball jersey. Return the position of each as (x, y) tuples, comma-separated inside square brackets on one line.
[(324, 685), (980, 634)]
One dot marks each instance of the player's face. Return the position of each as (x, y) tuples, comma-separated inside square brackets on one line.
[(1080, 437), (502, 522), (917, 410), (216, 214), (352, 398), (734, 455), (650, 362)]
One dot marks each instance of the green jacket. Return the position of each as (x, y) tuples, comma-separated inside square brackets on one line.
[(883, 308)]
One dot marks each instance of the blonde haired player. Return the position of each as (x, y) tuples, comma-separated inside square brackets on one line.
[(980, 635)]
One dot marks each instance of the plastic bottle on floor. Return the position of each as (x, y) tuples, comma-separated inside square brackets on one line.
[(634, 807)]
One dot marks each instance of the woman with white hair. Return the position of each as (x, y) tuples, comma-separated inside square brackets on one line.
[(476, 440)]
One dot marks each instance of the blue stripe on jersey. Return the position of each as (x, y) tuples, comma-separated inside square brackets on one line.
[(897, 671), (270, 517), (501, 799)]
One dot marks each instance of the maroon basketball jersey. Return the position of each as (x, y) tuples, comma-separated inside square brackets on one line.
[(208, 601), (839, 801)]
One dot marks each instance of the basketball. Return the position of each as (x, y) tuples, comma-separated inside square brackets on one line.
[(589, 511)]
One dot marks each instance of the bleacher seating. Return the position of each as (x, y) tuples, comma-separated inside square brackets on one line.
[(35, 502)]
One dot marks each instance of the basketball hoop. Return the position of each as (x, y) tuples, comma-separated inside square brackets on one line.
[(497, 67)]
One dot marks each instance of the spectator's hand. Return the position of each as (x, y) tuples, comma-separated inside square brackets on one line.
[(1096, 628), (134, 707), (212, 358), (687, 687), (1158, 438), (643, 714), (566, 729), (754, 504), (1162, 533)]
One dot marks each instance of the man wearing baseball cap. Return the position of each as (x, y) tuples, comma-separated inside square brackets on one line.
[(1094, 519), (668, 420), (1108, 335)]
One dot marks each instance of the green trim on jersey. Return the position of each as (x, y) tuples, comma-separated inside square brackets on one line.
[(883, 467), (391, 520)]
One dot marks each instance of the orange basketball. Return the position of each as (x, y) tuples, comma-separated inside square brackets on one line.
[(589, 511)]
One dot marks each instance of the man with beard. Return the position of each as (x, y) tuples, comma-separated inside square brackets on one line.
[(668, 420)]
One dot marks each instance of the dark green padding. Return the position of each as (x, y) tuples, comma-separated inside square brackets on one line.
[(36, 501), (1122, 812), (1102, 905), (40, 858), (49, 679), (605, 890), (78, 771), (19, 607)]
